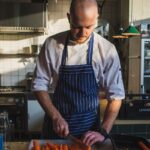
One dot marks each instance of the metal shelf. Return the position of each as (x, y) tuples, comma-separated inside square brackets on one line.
[(147, 76), (22, 30), (147, 58)]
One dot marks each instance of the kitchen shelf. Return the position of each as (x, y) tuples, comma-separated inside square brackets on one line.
[(124, 122), (147, 58), (17, 55), (147, 76), (23, 30)]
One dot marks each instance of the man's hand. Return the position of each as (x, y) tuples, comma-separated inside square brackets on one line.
[(92, 137), (60, 126)]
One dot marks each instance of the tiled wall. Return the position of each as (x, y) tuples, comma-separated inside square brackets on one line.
[(13, 70)]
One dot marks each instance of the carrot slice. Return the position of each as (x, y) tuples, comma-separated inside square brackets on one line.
[(73, 147), (51, 146), (89, 148), (56, 147), (65, 147), (36, 145), (43, 147), (47, 148)]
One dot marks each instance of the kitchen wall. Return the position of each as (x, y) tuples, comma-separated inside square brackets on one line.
[(13, 70)]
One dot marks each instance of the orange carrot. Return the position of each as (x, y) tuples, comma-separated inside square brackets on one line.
[(36, 145), (73, 147), (56, 147), (51, 146), (65, 147), (89, 148), (47, 148), (43, 147), (61, 147)]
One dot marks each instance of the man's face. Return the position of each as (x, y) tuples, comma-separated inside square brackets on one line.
[(82, 22)]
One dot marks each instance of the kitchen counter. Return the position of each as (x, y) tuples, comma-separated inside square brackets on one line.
[(129, 122), (20, 93), (27, 94), (17, 145)]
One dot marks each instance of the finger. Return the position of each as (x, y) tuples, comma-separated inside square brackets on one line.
[(87, 135), (84, 135), (89, 139), (56, 128), (93, 141), (66, 131), (62, 127)]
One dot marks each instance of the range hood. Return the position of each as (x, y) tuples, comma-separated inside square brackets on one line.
[(23, 17)]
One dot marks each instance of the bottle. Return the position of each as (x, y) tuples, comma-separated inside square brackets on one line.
[(4, 130)]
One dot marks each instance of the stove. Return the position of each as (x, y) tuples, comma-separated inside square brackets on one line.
[(16, 107)]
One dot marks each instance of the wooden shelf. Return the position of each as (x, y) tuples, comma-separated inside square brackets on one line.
[(147, 58), (17, 55), (125, 122)]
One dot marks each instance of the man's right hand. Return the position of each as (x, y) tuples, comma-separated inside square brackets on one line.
[(60, 126)]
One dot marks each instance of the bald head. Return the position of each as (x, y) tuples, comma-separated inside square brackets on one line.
[(82, 18), (82, 4)]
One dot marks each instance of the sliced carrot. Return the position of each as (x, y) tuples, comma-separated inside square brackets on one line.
[(89, 148), (56, 147), (73, 147), (36, 145), (43, 147), (47, 148), (51, 146), (61, 147), (65, 147)]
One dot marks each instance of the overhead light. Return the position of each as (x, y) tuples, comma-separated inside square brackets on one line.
[(119, 35), (131, 31)]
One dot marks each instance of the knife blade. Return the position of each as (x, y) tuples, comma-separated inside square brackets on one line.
[(76, 141)]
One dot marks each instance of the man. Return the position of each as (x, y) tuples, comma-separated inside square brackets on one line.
[(79, 62)]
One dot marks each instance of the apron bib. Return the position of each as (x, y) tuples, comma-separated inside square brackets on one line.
[(76, 96)]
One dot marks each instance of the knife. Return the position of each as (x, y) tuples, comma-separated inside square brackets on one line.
[(76, 141)]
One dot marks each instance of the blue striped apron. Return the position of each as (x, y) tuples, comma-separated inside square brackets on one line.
[(76, 96)]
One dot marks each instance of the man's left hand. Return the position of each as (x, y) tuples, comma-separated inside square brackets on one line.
[(92, 137)]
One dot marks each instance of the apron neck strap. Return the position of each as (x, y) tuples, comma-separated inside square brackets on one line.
[(89, 53), (64, 54), (90, 50)]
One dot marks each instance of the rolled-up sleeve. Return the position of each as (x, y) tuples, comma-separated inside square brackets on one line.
[(42, 72), (113, 83)]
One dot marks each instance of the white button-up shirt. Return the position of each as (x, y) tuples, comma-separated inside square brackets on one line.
[(105, 62)]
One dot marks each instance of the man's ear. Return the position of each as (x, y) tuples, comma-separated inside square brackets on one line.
[(68, 16)]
